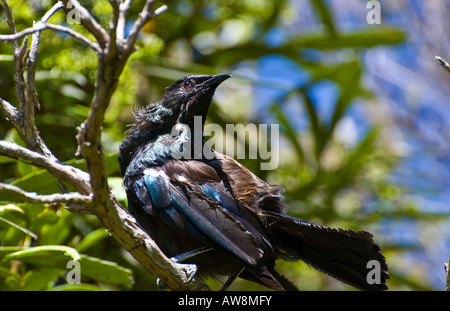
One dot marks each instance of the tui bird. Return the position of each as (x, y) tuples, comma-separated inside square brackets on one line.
[(215, 213)]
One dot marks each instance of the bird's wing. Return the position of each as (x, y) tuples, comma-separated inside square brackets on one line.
[(191, 196), (249, 190)]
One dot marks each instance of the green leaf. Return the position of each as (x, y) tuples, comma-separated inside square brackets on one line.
[(24, 230), (288, 129), (6, 58), (316, 125), (348, 78), (92, 239), (105, 271), (364, 149), (40, 279), (364, 38), (46, 254), (77, 287), (10, 207), (325, 16), (5, 250), (40, 181), (5, 159), (57, 256), (116, 185)]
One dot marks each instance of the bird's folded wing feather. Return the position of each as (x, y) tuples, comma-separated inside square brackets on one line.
[(201, 200)]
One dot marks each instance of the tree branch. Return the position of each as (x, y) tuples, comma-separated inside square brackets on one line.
[(23, 120), (447, 275), (44, 26), (123, 11), (113, 47), (88, 21), (70, 174), (144, 17), (11, 24), (31, 98), (32, 197), (443, 63), (18, 56)]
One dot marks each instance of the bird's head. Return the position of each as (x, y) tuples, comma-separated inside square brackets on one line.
[(191, 96), (188, 97), (185, 99)]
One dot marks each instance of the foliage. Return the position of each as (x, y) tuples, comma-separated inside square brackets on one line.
[(327, 180)]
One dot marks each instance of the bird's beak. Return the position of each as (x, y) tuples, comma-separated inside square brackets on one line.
[(214, 81)]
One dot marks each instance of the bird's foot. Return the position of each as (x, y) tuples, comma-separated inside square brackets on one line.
[(189, 270)]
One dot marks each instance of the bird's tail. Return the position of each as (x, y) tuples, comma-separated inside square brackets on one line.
[(349, 256)]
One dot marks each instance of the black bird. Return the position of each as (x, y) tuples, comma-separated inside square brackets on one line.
[(215, 213)]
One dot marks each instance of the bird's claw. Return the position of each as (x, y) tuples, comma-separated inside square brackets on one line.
[(189, 269)]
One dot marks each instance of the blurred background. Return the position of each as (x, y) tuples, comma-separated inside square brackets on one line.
[(362, 109)]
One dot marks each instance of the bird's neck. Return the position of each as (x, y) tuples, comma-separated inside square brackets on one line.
[(137, 138), (189, 134)]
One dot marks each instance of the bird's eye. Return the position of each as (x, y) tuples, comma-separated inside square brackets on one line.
[(186, 83)]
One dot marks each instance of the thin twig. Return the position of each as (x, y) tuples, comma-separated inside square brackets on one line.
[(32, 197), (31, 98), (160, 10), (11, 23), (123, 11), (89, 22), (144, 17), (8, 110), (18, 55), (112, 46), (443, 63), (44, 26), (53, 10), (447, 275)]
